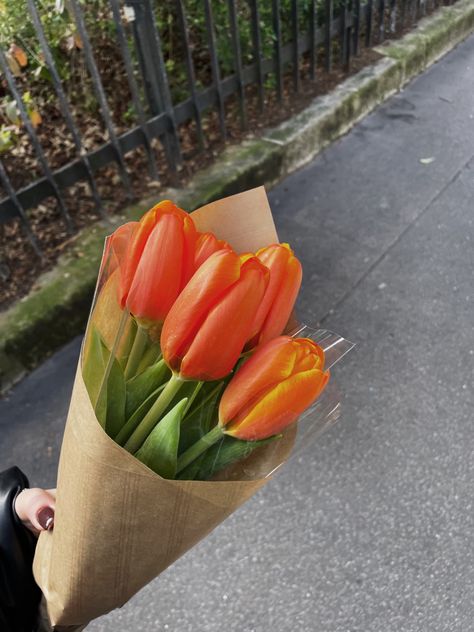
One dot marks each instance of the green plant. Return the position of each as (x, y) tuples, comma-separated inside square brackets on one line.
[(7, 138)]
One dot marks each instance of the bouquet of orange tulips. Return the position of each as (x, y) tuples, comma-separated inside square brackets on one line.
[(191, 380)]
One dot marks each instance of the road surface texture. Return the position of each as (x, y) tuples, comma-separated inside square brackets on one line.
[(373, 529)]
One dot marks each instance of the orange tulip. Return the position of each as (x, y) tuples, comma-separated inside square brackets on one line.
[(279, 300), (206, 329), (271, 390), (142, 233), (116, 248), (267, 394), (163, 268), (206, 245)]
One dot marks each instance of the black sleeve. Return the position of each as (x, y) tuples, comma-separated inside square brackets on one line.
[(19, 594)]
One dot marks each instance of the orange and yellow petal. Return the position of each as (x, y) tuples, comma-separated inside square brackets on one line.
[(271, 363), (279, 407)]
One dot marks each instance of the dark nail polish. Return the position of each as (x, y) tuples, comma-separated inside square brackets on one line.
[(46, 518)]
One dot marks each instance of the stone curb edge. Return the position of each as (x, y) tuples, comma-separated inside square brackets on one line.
[(57, 307)]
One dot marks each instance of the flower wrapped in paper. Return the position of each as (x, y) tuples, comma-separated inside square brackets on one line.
[(186, 398)]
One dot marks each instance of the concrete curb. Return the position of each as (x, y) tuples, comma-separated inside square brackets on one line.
[(57, 308)]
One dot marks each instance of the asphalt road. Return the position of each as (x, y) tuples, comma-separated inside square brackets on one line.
[(372, 531)]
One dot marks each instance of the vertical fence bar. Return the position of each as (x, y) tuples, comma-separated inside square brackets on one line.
[(64, 106), (145, 47), (167, 104), (278, 55), (348, 9), (343, 34), (257, 51), (34, 140), (190, 72), (296, 52), (134, 90), (328, 39), (403, 13), (100, 93), (216, 75), (368, 23), (381, 26), (393, 16), (356, 30), (313, 59), (235, 37), (10, 191), (346, 34)]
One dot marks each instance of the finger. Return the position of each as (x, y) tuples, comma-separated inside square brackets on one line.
[(52, 493), (44, 518), (40, 509)]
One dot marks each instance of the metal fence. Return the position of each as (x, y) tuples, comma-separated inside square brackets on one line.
[(322, 33)]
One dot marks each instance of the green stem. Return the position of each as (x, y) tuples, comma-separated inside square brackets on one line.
[(127, 344), (153, 415), (151, 356), (136, 354), (206, 399), (197, 388), (199, 447)]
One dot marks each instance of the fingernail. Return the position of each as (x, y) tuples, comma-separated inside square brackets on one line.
[(46, 518)]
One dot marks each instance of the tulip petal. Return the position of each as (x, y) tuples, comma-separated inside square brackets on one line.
[(139, 238), (279, 407), (187, 314), (116, 248), (310, 355), (221, 337), (270, 364), (190, 237), (157, 280), (207, 244), (284, 300), (275, 257)]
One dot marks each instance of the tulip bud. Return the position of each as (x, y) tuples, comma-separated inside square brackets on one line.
[(279, 300), (163, 268), (139, 239), (207, 326), (271, 390)]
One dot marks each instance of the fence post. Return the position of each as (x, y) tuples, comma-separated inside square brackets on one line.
[(150, 57)]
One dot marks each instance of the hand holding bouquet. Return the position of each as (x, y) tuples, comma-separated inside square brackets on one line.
[(185, 400)]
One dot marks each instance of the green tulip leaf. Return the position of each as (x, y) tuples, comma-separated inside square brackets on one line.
[(132, 423), (93, 368), (202, 415), (219, 456), (107, 398), (160, 449), (101, 407), (143, 385), (115, 415)]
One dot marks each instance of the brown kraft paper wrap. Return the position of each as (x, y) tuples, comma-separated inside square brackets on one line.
[(118, 524)]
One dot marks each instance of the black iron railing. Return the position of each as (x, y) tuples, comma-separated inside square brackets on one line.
[(322, 33)]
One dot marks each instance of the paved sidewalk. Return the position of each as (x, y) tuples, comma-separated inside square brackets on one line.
[(373, 530)]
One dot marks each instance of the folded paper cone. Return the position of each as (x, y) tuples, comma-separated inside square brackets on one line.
[(117, 523)]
